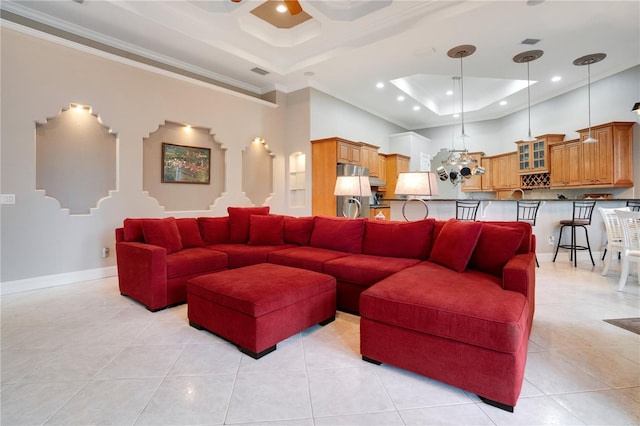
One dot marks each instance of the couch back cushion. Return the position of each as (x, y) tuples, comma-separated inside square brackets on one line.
[(497, 244), (163, 233), (239, 222), (132, 229), (455, 244), (338, 233), (398, 239), (214, 230), (297, 230), (526, 245), (266, 230), (189, 232)]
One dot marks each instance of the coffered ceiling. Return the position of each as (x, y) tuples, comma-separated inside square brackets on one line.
[(346, 47)]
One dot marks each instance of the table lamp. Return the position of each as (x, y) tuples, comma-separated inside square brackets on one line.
[(352, 186), (416, 184)]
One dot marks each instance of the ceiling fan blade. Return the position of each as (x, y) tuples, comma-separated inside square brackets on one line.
[(293, 6)]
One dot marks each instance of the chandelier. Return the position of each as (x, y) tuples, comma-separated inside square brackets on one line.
[(459, 165)]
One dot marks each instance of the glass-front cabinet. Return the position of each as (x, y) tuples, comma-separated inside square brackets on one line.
[(533, 156)]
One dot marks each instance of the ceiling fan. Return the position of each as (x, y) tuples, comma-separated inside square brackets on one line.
[(293, 6)]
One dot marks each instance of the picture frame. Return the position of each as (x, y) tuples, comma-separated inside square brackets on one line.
[(185, 164)]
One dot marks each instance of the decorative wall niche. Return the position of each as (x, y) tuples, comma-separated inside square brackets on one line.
[(297, 179), (183, 194), (257, 172), (75, 159)]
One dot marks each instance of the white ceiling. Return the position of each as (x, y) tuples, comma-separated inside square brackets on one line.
[(351, 45)]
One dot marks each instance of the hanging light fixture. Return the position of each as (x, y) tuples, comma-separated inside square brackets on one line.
[(459, 165), (588, 60), (527, 57), (636, 108)]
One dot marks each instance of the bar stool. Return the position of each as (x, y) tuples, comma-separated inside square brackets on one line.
[(467, 210), (582, 212), (528, 212)]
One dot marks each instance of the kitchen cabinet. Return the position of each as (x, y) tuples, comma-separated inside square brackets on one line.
[(565, 163), (486, 177), (533, 156), (609, 161), (395, 163), (369, 158), (347, 152), (504, 171), (382, 168)]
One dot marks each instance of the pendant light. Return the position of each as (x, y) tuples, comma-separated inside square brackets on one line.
[(461, 51), (588, 60), (527, 57)]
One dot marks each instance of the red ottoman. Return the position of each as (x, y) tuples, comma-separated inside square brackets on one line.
[(257, 306)]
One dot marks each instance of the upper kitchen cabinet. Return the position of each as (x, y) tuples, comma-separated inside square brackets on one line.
[(396, 163), (347, 152), (533, 156), (609, 161), (369, 158)]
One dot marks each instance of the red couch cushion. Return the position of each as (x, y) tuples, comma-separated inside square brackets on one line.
[(305, 257), (337, 233), (133, 230), (163, 233), (469, 307), (239, 222), (455, 243), (214, 230), (195, 261), (266, 230), (364, 269), (527, 245), (243, 254), (496, 246), (297, 230), (189, 232), (398, 239)]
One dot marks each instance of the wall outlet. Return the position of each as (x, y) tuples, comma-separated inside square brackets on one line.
[(552, 240), (105, 251), (7, 198)]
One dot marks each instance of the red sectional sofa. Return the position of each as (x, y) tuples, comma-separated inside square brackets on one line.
[(450, 300)]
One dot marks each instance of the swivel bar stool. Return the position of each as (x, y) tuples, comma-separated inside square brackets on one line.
[(528, 212), (582, 212), (467, 210)]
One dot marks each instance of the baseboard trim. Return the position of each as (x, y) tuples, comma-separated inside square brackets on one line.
[(36, 283)]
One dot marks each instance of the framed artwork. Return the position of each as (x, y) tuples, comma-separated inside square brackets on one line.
[(185, 164)]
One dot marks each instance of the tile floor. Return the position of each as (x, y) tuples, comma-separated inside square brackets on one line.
[(82, 354)]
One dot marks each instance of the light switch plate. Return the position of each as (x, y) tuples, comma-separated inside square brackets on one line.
[(7, 198)]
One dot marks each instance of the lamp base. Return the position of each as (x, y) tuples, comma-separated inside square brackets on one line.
[(351, 208), (426, 208)]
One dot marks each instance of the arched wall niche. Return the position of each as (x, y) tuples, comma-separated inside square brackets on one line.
[(185, 196), (257, 172), (75, 159)]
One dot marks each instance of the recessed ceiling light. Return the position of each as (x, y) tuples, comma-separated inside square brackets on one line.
[(503, 103), (416, 108), (556, 78), (400, 98), (309, 73), (456, 115), (449, 92), (281, 8), (380, 85)]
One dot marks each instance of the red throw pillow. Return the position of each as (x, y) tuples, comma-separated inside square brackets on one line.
[(455, 244), (239, 222), (337, 233), (133, 230), (496, 246), (214, 230), (398, 239), (266, 230), (189, 232), (297, 230), (163, 233)]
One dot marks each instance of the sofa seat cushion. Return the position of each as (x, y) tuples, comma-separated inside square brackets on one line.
[(364, 269), (305, 257), (195, 261), (260, 289), (469, 307), (244, 254)]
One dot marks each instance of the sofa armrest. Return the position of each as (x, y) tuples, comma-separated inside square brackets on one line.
[(142, 273), (519, 274)]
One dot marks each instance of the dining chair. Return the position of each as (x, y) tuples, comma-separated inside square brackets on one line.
[(615, 240), (630, 223), (582, 213), (467, 210), (528, 212)]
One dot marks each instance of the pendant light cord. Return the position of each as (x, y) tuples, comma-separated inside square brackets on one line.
[(589, 94), (529, 98)]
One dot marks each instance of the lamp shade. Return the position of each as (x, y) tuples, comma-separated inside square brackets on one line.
[(417, 183), (352, 186)]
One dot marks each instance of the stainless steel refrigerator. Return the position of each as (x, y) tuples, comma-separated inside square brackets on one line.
[(350, 206)]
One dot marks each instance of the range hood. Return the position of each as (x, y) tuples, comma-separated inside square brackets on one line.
[(376, 181)]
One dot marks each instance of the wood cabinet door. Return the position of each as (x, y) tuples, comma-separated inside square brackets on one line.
[(557, 175), (382, 167), (486, 177)]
